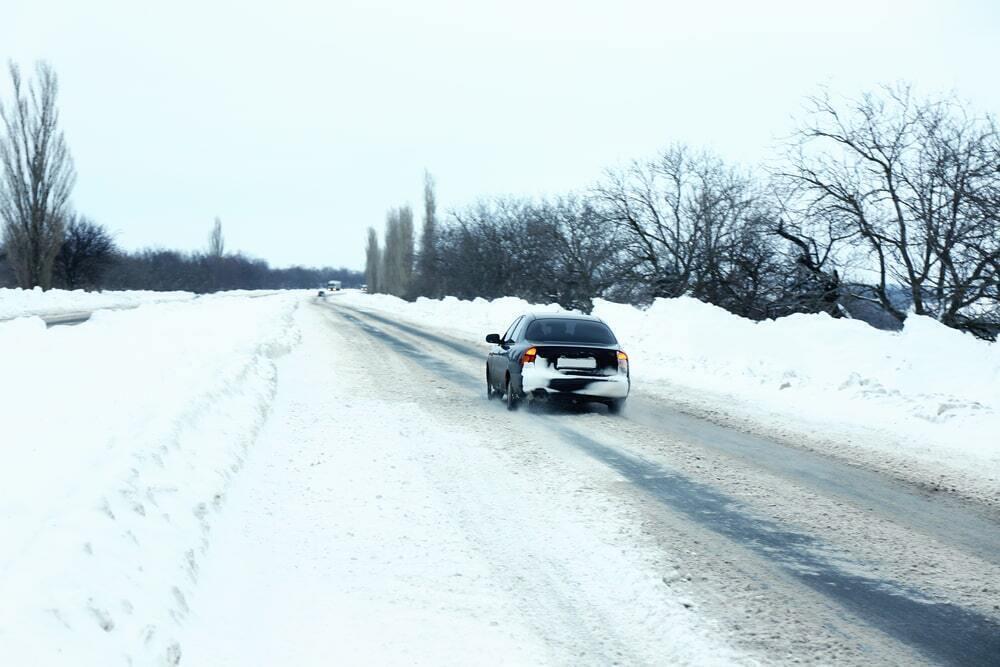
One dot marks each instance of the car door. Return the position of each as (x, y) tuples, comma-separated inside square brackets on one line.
[(496, 363), (515, 348)]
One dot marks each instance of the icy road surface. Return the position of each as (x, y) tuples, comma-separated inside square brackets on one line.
[(305, 482)]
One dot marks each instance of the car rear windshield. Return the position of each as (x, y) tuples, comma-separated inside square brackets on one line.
[(570, 331)]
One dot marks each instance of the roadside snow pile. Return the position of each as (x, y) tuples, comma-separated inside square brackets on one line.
[(22, 302), (934, 390), (120, 438), (928, 393)]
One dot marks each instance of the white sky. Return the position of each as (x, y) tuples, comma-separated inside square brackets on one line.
[(299, 123)]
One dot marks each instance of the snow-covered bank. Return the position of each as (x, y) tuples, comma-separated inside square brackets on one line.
[(120, 438), (928, 394), (23, 303)]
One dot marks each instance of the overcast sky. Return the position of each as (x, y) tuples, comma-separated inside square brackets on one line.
[(299, 123)]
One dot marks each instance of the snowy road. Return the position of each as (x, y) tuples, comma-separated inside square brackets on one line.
[(374, 524), (564, 537), (314, 483)]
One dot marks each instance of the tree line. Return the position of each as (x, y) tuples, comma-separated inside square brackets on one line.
[(88, 258), (45, 243), (877, 207)]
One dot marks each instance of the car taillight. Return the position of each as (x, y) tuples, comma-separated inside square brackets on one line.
[(529, 355), (622, 362)]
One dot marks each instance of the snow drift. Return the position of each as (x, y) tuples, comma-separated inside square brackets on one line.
[(22, 302), (120, 437)]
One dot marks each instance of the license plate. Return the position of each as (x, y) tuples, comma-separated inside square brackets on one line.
[(584, 363)]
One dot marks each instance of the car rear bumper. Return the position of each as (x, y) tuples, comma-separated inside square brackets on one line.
[(541, 384)]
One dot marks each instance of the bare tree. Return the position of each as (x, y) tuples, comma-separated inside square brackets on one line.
[(7, 277), (426, 280), (389, 269), (689, 225), (397, 255), (913, 183), (405, 254), (37, 177), (87, 251), (216, 242), (373, 262), (812, 245), (580, 253)]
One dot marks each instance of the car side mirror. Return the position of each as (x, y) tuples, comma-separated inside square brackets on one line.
[(493, 338)]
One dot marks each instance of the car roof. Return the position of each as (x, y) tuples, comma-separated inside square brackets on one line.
[(563, 316)]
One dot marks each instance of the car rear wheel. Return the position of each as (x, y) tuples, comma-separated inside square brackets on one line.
[(512, 400)]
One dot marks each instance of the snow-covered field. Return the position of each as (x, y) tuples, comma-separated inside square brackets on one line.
[(21, 302), (927, 395)]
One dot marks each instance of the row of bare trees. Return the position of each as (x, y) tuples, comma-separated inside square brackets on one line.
[(691, 225), (879, 207), (90, 259), (912, 188), (557, 250), (86, 254), (158, 269), (45, 243), (392, 268)]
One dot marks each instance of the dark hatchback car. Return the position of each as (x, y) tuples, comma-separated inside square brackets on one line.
[(558, 356)]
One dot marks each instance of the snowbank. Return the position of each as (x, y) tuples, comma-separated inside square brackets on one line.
[(927, 393), (933, 392), (22, 302), (119, 441)]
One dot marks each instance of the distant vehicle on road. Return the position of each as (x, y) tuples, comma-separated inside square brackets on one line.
[(331, 286), (558, 356)]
